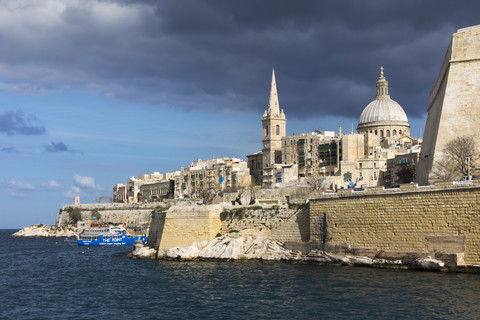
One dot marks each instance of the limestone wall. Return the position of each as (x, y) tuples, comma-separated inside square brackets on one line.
[(182, 225), (278, 222), (136, 217), (454, 99), (424, 222)]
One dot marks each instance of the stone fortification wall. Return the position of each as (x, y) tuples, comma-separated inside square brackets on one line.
[(136, 217), (283, 223), (181, 225), (454, 99), (424, 222)]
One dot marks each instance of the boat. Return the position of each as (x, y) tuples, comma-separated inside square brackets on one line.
[(103, 233)]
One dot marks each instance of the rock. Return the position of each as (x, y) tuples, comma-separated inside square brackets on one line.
[(141, 251), (41, 230), (232, 248), (429, 264), (190, 252)]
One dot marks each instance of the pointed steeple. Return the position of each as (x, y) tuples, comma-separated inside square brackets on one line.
[(382, 86), (273, 106)]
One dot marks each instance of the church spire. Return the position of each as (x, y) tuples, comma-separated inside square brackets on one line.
[(382, 86), (273, 106)]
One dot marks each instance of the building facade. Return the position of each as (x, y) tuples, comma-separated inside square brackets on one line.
[(337, 160)]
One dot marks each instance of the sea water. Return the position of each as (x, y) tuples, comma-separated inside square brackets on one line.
[(50, 278)]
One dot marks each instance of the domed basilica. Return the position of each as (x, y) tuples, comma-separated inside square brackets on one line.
[(383, 116), (380, 153)]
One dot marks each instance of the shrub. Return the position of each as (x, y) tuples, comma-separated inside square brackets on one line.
[(95, 214), (224, 215), (75, 215)]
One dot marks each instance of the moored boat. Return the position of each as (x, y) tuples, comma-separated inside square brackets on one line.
[(104, 234)]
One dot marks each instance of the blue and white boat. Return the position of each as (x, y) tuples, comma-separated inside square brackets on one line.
[(104, 234)]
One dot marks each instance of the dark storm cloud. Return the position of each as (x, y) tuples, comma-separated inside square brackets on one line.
[(17, 122), (51, 146), (55, 146), (218, 55)]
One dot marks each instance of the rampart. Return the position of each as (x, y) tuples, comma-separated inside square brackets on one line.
[(182, 225), (136, 216), (441, 221)]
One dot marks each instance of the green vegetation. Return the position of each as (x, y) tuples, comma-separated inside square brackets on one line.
[(296, 205), (218, 235), (95, 215), (74, 214), (237, 213)]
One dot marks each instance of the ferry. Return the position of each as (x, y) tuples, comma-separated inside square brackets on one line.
[(103, 233)]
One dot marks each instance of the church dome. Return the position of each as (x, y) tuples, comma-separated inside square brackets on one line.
[(383, 111)]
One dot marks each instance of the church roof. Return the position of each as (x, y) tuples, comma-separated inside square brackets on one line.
[(383, 110)]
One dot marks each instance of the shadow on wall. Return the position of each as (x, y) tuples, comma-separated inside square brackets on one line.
[(156, 229)]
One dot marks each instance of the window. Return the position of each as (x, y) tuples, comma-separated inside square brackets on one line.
[(400, 132), (277, 130), (376, 132), (381, 133), (394, 132), (388, 133), (266, 130)]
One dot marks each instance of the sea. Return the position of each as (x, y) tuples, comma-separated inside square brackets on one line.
[(53, 278)]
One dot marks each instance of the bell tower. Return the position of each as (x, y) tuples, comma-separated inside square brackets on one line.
[(273, 123)]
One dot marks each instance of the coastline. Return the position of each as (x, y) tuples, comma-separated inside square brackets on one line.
[(261, 249), (44, 231)]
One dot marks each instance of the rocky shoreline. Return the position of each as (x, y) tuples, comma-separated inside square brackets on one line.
[(240, 248), (41, 230)]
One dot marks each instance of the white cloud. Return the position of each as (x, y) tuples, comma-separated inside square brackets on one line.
[(52, 185), (86, 182), (21, 185), (17, 189), (74, 191)]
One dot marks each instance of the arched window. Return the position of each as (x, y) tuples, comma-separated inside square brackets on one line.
[(394, 132), (400, 132), (277, 129), (376, 132), (388, 133), (381, 133), (266, 130)]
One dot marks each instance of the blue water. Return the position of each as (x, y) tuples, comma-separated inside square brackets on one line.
[(54, 279)]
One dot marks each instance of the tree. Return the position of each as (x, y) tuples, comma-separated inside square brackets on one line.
[(454, 162), (208, 192), (75, 215), (405, 175), (96, 215)]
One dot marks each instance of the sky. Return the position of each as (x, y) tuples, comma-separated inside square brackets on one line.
[(93, 92)]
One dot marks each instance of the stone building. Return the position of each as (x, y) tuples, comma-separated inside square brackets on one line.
[(402, 168), (383, 117), (273, 123), (454, 103), (154, 188), (157, 191), (220, 173), (338, 160)]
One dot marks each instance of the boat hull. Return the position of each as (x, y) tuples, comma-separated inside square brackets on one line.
[(110, 240)]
